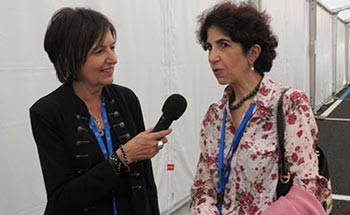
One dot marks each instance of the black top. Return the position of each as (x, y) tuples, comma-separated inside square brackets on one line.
[(77, 178)]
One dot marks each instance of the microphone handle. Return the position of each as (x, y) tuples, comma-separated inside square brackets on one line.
[(162, 124)]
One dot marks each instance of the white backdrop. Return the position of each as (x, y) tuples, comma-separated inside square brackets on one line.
[(341, 61), (323, 55), (290, 24), (157, 55)]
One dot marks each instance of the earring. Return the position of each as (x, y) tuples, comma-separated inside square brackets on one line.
[(252, 66)]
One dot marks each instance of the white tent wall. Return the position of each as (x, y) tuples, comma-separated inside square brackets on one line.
[(331, 54), (341, 57), (157, 55), (324, 64), (347, 53), (290, 24), (25, 74)]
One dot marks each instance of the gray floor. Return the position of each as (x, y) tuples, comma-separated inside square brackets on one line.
[(334, 137), (183, 210)]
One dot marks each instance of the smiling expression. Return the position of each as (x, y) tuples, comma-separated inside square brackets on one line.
[(100, 61)]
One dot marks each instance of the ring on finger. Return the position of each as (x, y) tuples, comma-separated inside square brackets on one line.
[(160, 145)]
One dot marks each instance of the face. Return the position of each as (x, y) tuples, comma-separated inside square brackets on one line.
[(226, 57), (99, 66)]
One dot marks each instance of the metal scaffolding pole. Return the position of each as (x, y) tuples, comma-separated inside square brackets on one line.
[(312, 52), (347, 54), (334, 52)]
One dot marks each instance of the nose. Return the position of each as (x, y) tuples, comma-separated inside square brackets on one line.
[(112, 57), (213, 56)]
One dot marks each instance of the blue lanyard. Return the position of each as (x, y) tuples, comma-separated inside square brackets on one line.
[(107, 131), (108, 139), (225, 169)]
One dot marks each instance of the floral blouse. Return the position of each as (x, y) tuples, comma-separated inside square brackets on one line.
[(251, 187)]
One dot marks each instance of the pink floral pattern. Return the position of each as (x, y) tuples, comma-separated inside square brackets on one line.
[(252, 183)]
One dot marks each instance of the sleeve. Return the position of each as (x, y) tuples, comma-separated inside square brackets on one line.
[(66, 193), (150, 182), (301, 134), (203, 190), (136, 113)]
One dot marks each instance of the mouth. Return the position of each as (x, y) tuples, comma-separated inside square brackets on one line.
[(217, 71), (108, 70)]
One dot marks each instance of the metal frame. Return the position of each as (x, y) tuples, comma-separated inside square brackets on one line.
[(342, 8), (347, 54), (334, 52), (312, 52)]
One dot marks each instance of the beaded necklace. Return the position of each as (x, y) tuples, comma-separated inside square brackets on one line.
[(245, 98)]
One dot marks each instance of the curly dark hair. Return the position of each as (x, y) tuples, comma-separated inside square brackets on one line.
[(70, 35), (244, 24)]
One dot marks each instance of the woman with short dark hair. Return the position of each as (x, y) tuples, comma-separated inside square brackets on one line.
[(90, 135)]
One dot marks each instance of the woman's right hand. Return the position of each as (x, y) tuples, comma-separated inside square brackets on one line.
[(144, 145)]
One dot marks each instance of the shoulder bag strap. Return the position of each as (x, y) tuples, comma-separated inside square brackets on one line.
[(280, 131), (285, 181)]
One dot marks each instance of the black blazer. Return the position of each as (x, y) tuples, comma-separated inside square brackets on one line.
[(77, 178)]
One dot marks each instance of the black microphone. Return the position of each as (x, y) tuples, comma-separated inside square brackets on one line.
[(174, 106)]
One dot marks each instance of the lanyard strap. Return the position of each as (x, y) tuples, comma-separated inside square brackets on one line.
[(107, 131), (108, 139), (225, 168)]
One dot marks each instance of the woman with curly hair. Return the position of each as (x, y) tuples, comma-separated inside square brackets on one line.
[(238, 167)]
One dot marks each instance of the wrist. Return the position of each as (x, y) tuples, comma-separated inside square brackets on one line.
[(116, 163), (123, 156)]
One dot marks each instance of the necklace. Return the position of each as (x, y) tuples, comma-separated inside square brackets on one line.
[(245, 98), (99, 125)]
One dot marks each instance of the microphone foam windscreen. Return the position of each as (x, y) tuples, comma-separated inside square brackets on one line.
[(174, 106)]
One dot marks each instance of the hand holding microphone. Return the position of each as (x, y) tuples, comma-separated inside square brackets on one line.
[(147, 144)]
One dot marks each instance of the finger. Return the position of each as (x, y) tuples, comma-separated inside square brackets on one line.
[(160, 134), (159, 145), (149, 130), (164, 140)]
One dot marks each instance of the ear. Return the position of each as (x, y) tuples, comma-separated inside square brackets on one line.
[(254, 53)]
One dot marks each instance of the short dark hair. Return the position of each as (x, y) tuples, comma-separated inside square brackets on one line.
[(70, 35), (244, 24)]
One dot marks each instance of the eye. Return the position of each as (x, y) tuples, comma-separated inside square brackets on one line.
[(224, 45), (98, 50), (207, 47), (113, 47)]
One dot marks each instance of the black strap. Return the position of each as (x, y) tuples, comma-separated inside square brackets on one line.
[(285, 181), (280, 130)]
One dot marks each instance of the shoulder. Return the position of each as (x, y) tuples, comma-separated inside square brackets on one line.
[(291, 96), (48, 102), (213, 115), (125, 97), (296, 99)]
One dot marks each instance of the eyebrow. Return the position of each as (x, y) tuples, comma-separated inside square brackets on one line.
[(222, 40), (103, 46)]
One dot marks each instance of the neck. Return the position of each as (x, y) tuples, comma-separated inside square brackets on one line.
[(245, 86), (87, 93), (91, 96), (247, 90)]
